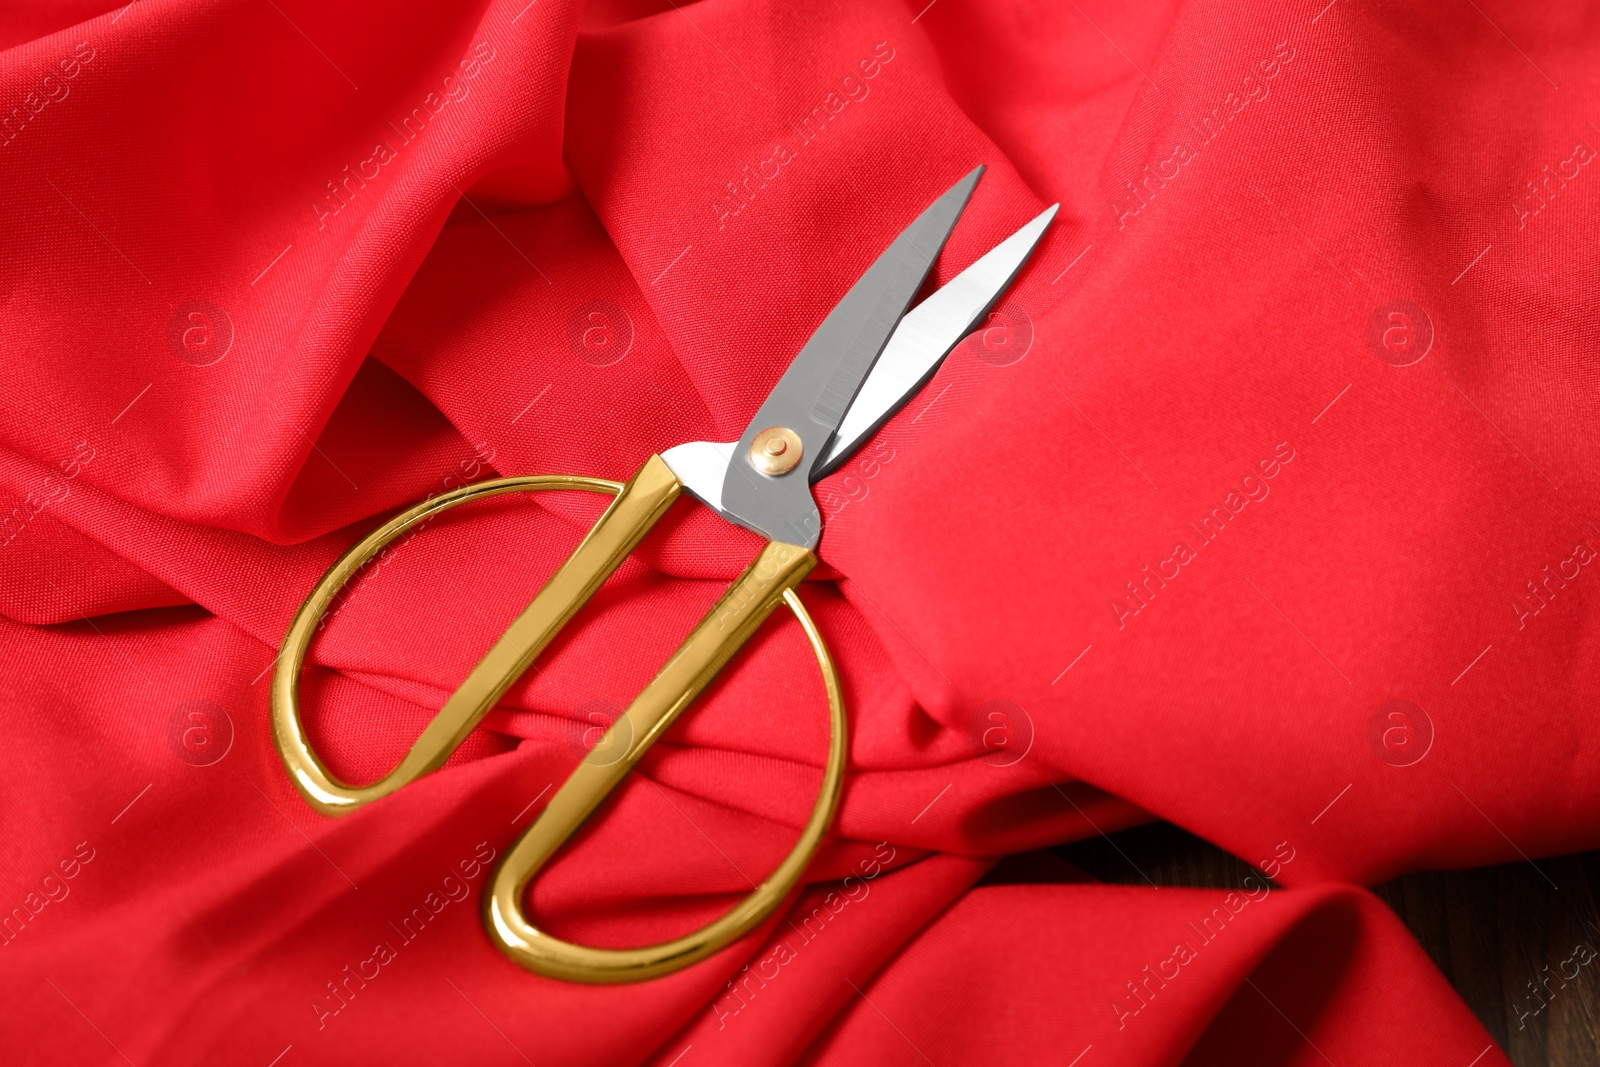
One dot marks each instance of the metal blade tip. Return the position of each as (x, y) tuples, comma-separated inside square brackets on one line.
[(971, 178)]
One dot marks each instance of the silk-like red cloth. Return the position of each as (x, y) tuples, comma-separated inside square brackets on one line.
[(1265, 504)]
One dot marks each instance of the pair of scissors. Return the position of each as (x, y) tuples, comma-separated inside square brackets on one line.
[(863, 363)]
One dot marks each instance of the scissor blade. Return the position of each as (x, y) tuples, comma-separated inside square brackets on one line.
[(815, 392), (926, 335)]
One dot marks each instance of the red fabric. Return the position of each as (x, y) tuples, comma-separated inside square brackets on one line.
[(1306, 357)]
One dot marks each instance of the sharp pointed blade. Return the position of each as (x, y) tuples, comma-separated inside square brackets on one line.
[(927, 334), (815, 392)]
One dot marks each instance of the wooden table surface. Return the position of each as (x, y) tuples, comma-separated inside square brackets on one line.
[(1500, 934)]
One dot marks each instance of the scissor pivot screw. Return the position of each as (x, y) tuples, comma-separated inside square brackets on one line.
[(776, 450)]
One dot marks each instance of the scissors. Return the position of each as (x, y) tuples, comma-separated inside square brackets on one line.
[(863, 363)]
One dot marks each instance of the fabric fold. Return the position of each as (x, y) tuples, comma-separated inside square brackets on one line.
[(1262, 504)]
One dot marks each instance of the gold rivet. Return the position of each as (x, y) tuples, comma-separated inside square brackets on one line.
[(776, 450)]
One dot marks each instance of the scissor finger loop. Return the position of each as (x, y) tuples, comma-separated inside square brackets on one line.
[(768, 581), (868, 356), (326, 793)]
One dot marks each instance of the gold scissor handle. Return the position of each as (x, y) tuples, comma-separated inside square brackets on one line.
[(637, 506)]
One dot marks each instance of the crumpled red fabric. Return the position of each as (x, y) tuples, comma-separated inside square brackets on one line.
[(1265, 503)]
